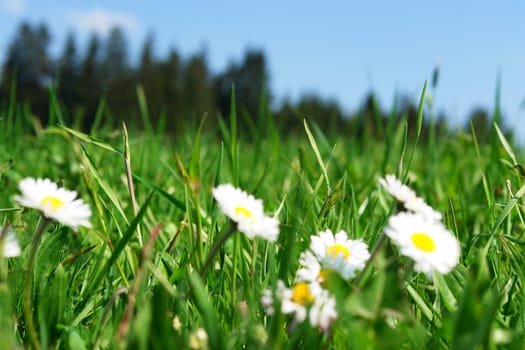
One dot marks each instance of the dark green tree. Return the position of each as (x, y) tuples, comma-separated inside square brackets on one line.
[(248, 77), (371, 121), (119, 82), (408, 111), (157, 79), (198, 88), (89, 83), (115, 60), (67, 74), (481, 123), (326, 113), (29, 66)]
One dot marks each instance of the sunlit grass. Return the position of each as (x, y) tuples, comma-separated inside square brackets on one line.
[(139, 277)]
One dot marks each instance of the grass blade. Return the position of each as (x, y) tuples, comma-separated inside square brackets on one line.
[(91, 140), (119, 248), (505, 144), (177, 202), (211, 323), (311, 139)]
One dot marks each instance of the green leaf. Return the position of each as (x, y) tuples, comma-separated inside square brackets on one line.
[(75, 341), (444, 290), (140, 334), (474, 318), (423, 305)]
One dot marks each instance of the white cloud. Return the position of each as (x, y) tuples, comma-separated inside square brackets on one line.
[(13, 7), (102, 21)]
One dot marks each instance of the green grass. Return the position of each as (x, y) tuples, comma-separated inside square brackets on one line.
[(132, 281)]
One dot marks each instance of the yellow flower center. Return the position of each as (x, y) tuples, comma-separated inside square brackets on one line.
[(245, 212), (53, 202), (423, 242), (302, 295), (337, 249)]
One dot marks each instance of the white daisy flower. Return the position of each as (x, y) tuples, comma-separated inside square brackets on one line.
[(247, 212), (304, 300), (10, 245), (405, 195), (310, 270), (418, 205), (426, 241), (297, 300), (267, 300), (55, 203), (323, 312), (198, 339), (397, 189), (338, 253)]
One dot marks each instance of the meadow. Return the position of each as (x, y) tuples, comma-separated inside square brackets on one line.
[(163, 267)]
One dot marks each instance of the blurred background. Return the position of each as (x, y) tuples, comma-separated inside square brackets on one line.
[(336, 63)]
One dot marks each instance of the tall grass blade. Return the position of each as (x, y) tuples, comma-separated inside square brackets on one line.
[(119, 248), (106, 187), (177, 202), (97, 121), (507, 209), (54, 107), (418, 127), (211, 323), (233, 138), (144, 111), (506, 145), (311, 139), (90, 139)]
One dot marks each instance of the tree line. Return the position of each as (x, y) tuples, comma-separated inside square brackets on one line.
[(178, 90)]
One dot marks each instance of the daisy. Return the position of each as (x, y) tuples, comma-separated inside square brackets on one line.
[(418, 205), (406, 196), (304, 300), (397, 189), (247, 212), (323, 312), (198, 339), (427, 242), (53, 202), (338, 253), (10, 245), (310, 270)]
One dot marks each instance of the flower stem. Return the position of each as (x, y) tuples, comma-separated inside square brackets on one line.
[(3, 264), (129, 177), (28, 310), (254, 261), (378, 246), (235, 258), (215, 248), (213, 251)]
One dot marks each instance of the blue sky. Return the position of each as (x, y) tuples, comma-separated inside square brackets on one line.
[(338, 49)]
